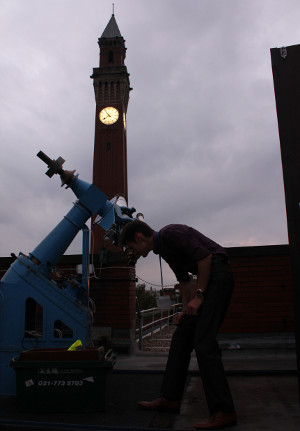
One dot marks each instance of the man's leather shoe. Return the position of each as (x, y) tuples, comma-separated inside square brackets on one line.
[(161, 404), (217, 421)]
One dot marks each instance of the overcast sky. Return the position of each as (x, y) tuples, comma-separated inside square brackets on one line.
[(203, 145)]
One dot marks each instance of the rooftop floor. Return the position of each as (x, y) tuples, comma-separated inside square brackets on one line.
[(263, 379)]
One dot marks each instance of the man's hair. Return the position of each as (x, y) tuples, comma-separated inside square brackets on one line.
[(130, 229)]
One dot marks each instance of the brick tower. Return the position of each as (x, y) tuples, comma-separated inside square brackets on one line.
[(113, 289), (111, 86)]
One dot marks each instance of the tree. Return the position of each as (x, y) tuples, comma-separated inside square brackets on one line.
[(145, 298)]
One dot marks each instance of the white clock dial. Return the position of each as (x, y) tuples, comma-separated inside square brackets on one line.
[(109, 115)]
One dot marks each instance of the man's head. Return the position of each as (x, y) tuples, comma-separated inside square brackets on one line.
[(137, 236)]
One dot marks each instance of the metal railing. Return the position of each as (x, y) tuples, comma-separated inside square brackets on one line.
[(148, 323)]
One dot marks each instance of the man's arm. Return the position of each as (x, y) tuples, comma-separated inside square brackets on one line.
[(204, 268)]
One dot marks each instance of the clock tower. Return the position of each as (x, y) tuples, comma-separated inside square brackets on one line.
[(111, 86), (113, 288)]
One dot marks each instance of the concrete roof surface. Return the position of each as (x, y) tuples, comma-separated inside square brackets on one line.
[(264, 384)]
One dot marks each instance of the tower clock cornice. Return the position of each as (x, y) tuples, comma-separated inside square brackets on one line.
[(111, 85)]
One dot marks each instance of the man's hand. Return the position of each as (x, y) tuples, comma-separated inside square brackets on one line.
[(191, 309), (178, 317), (194, 305)]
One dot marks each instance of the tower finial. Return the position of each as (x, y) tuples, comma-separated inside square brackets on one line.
[(113, 8)]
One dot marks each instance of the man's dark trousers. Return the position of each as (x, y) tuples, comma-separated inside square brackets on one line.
[(199, 333)]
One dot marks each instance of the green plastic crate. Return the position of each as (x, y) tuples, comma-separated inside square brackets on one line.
[(62, 386)]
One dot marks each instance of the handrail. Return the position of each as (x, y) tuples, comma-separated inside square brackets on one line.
[(144, 330)]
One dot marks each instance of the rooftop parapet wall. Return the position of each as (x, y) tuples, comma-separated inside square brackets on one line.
[(263, 297)]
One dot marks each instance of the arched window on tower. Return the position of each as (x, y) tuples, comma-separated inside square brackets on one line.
[(110, 56)]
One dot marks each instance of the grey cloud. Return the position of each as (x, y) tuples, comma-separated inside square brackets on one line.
[(203, 146)]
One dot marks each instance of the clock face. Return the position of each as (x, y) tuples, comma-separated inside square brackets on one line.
[(109, 115)]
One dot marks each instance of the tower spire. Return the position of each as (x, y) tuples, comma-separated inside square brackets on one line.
[(113, 8), (112, 29)]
